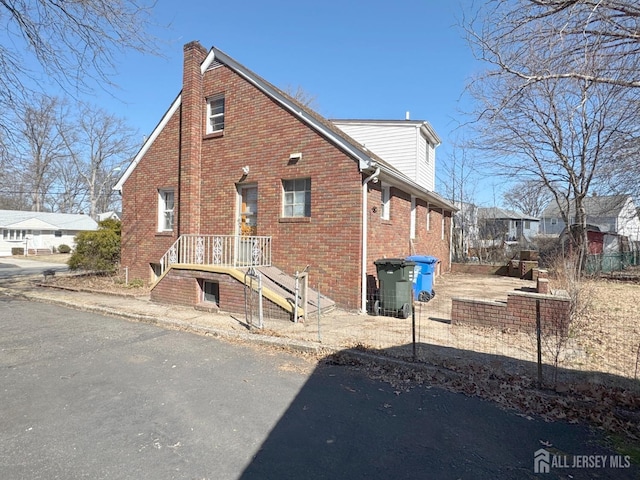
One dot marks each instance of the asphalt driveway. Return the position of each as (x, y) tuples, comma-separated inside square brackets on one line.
[(86, 396), (15, 267)]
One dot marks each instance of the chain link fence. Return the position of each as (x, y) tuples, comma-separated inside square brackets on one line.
[(601, 347)]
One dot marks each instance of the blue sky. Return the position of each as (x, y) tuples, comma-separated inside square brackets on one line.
[(360, 59)]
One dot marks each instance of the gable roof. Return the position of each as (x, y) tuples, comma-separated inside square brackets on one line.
[(367, 160), (18, 219), (503, 214), (595, 206)]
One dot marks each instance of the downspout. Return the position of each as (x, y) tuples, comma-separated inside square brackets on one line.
[(365, 217)]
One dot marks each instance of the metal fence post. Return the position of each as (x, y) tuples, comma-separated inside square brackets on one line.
[(539, 342), (413, 326), (319, 334)]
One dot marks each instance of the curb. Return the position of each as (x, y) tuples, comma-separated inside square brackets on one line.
[(256, 338)]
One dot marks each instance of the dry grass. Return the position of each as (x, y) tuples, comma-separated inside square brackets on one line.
[(114, 284), (53, 258), (610, 336)]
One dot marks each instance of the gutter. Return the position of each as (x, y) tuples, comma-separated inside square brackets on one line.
[(365, 228)]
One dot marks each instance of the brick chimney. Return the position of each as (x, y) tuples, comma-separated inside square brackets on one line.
[(191, 123)]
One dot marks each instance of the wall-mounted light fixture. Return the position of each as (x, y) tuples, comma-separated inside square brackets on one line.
[(294, 157), (245, 170)]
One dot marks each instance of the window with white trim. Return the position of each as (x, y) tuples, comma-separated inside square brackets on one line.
[(412, 218), (215, 114), (165, 210), (15, 235), (385, 202), (296, 198)]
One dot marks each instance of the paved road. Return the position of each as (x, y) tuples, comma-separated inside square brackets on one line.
[(85, 396), (12, 268)]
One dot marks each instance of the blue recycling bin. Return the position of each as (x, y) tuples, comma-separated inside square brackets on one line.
[(423, 277)]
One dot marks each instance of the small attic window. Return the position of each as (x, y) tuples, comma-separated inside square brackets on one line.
[(215, 114)]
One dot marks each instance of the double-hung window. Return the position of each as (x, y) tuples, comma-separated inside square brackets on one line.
[(15, 234), (215, 114), (385, 202), (297, 197), (165, 210)]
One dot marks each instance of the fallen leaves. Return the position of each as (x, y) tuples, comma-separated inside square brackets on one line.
[(612, 409)]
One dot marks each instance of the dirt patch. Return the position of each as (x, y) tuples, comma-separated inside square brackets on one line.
[(112, 284), (62, 258)]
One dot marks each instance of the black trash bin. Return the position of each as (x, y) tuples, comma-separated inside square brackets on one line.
[(395, 280)]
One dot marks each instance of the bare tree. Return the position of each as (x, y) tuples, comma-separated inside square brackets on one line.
[(99, 144), (457, 178), (70, 194), (302, 96), (73, 44), (566, 132), (528, 196), (38, 147), (569, 33)]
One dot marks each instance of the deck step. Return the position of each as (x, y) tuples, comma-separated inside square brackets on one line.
[(285, 285)]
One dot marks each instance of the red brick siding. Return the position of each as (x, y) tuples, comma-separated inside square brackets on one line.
[(517, 314), (141, 243), (191, 138), (479, 269), (183, 287), (261, 134), (391, 238), (176, 288)]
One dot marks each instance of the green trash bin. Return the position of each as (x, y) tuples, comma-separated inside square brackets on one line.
[(395, 280)]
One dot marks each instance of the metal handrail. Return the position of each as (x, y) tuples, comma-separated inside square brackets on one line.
[(222, 250)]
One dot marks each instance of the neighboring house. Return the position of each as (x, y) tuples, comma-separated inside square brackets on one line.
[(502, 225), (111, 215), (237, 165), (611, 214), (40, 231)]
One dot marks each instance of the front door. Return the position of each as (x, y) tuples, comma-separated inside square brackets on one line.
[(247, 222)]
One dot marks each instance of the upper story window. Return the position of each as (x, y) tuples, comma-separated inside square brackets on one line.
[(215, 114), (165, 210), (297, 197), (385, 203)]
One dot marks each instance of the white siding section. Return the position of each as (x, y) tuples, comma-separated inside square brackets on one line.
[(393, 143), (402, 145), (628, 222), (425, 164), (42, 239)]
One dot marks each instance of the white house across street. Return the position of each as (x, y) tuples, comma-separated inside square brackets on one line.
[(37, 232)]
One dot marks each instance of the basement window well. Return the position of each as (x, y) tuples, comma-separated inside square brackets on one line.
[(210, 292)]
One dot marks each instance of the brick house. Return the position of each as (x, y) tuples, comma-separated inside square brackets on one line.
[(240, 169)]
